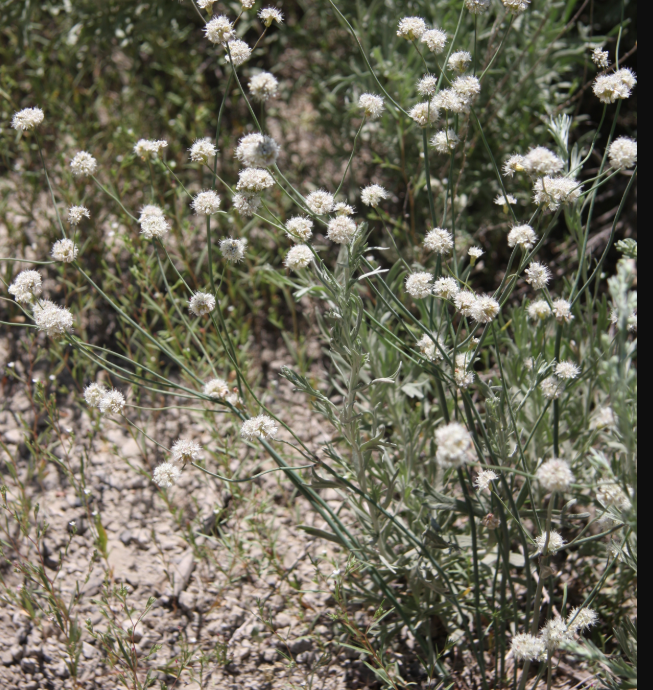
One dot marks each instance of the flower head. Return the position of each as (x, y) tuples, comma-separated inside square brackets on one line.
[(555, 475), (483, 479), (513, 164), (553, 192), (551, 388), (247, 4), (554, 634), (371, 105), (435, 40), (270, 14), (522, 236), (428, 348), (424, 114), (485, 309), (216, 388), (527, 647), (603, 419), (166, 475), (184, 451), (203, 150), (233, 250), (613, 495), (93, 393), (463, 378), (411, 28), (262, 427), (464, 302), (556, 542), (246, 204), (320, 202), (153, 223), (83, 164), (467, 88), (455, 447), (562, 311), (447, 288), (299, 256), (76, 213), (149, 147), (475, 253), (253, 180), (263, 86), (601, 58), (51, 319), (623, 152), (540, 161), (567, 370), (445, 141), (299, 228), (64, 250), (201, 303), (477, 6), (609, 88), (238, 52), (539, 310), (581, 619), (505, 200), (538, 275), (112, 402), (439, 241), (373, 195), (26, 286), (27, 118), (516, 6), (341, 230), (219, 30), (458, 61), (427, 85), (206, 203), (343, 209), (418, 285)]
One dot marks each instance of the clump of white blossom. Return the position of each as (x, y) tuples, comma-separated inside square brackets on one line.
[(299, 256), (246, 204), (609, 88), (253, 180), (371, 105), (216, 388), (418, 285), (203, 151), (206, 203), (343, 209), (477, 6), (553, 192), (601, 58), (459, 61), (551, 388), (522, 236), (26, 286), (260, 427), (27, 118), (455, 446), (166, 474), (238, 52), (464, 302), (341, 230), (153, 223), (484, 478), (555, 475), (411, 28), (320, 202), (539, 310), (516, 6), (268, 15), (83, 164), (373, 195), (612, 495), (445, 141), (233, 250), (112, 402), (65, 251), (93, 393), (76, 213), (567, 370), (184, 451), (435, 40), (447, 288), (428, 347), (146, 148), (201, 303), (538, 275), (505, 200), (439, 241), (485, 309), (263, 86), (427, 85), (53, 320), (562, 311), (424, 114), (299, 228), (623, 152), (527, 647), (556, 542), (219, 30)]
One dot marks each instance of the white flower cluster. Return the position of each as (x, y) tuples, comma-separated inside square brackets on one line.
[(418, 285), (424, 114), (320, 202), (260, 427), (538, 275), (146, 148), (153, 223), (53, 320), (26, 286), (299, 228), (539, 310), (238, 52), (64, 250), (537, 162), (203, 151), (299, 256), (477, 6), (484, 478), (601, 58), (427, 85), (270, 14), (435, 40), (623, 152), (439, 241), (263, 86), (373, 195), (609, 88), (107, 401), (459, 61), (219, 30), (460, 97), (411, 28), (201, 303), (455, 446), (183, 451), (446, 288), (257, 151), (555, 475), (555, 542), (522, 236), (27, 118), (516, 6), (83, 164), (216, 388), (445, 141), (254, 180), (246, 204), (554, 192), (233, 250), (76, 213), (427, 346), (371, 105), (341, 230), (206, 203)]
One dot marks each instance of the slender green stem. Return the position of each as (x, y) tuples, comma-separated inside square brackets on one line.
[(351, 158)]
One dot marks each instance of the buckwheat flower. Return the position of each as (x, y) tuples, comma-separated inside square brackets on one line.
[(76, 213), (551, 388), (477, 6), (27, 118), (51, 319), (562, 311), (149, 147), (411, 28), (205, 4), (184, 451), (418, 285), (483, 479), (299, 228), (612, 495), (455, 447), (26, 286), (450, 100), (567, 370), (475, 253), (468, 88), (252, 180), (554, 634), (373, 195), (65, 251), (93, 393), (246, 204), (527, 647), (270, 14), (447, 288), (263, 86), (83, 164), (513, 164), (623, 152), (424, 114), (203, 151), (627, 77), (609, 88), (463, 378), (556, 542), (600, 58), (516, 6), (538, 310), (540, 161), (458, 61), (555, 191), (112, 402), (320, 202), (555, 475), (435, 40), (247, 4), (581, 619), (538, 275), (216, 388), (343, 209), (153, 223), (371, 105), (166, 475), (206, 203), (261, 427), (505, 200), (239, 52), (219, 30), (523, 236), (603, 419), (341, 230), (464, 302), (485, 309), (201, 303), (429, 349), (299, 256), (233, 250), (427, 85), (439, 241), (445, 141)]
